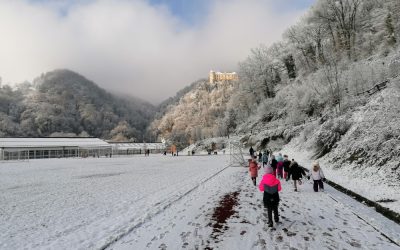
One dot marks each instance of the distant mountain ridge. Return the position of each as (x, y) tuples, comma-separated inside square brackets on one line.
[(64, 103)]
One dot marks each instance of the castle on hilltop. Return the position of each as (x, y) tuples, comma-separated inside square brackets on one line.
[(219, 76)]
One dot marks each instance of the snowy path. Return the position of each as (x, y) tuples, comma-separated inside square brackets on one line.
[(365, 184), (163, 202), (310, 221)]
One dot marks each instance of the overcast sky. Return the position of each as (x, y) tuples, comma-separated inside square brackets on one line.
[(145, 48)]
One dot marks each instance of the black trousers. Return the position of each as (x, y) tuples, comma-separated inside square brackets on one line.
[(318, 183), (272, 207), (254, 179)]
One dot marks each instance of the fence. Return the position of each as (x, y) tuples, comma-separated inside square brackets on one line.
[(378, 87), (236, 155)]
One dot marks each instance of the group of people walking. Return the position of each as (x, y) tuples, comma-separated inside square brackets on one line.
[(276, 168)]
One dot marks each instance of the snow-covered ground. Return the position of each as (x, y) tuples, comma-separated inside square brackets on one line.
[(165, 202), (371, 185)]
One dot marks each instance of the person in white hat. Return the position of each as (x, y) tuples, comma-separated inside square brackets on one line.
[(318, 177)]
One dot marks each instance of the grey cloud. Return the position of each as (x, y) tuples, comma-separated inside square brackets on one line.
[(131, 47)]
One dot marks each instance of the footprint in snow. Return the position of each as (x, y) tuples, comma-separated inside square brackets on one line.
[(354, 243), (288, 233)]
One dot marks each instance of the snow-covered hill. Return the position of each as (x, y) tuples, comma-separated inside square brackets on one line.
[(366, 156), (64, 103), (359, 148), (196, 115)]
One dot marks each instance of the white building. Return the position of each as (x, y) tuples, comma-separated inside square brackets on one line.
[(130, 148), (39, 148)]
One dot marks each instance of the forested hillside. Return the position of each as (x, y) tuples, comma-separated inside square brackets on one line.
[(64, 103), (338, 50), (197, 115)]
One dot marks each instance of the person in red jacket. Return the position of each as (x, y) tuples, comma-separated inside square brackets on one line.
[(270, 185), (253, 169)]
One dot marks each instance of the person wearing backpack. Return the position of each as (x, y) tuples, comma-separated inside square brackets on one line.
[(265, 158), (318, 177), (271, 187)]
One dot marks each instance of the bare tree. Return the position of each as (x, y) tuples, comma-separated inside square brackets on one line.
[(340, 19)]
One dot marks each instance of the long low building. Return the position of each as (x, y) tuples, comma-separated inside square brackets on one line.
[(130, 148), (38, 148)]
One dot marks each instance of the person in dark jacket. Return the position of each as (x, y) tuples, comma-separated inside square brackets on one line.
[(286, 165), (271, 187), (274, 164), (251, 151), (259, 156), (297, 172)]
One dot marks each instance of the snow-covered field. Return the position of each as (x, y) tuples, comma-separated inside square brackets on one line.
[(165, 202), (85, 203)]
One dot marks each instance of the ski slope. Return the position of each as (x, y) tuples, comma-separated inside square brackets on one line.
[(165, 202)]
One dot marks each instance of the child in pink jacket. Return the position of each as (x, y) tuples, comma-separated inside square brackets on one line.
[(253, 169), (270, 185)]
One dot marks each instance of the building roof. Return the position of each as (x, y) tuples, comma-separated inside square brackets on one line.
[(52, 142)]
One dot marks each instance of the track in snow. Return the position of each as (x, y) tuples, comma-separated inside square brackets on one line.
[(160, 210)]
